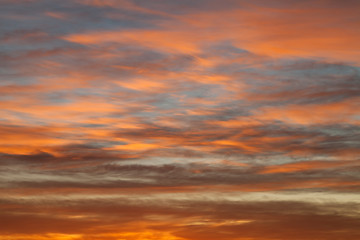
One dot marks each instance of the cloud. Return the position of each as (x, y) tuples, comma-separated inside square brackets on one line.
[(179, 120), (185, 219)]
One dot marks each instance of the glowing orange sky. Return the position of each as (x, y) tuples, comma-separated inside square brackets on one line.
[(179, 120)]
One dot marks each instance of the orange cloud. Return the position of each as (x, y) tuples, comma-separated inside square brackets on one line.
[(327, 113), (306, 31), (116, 117), (306, 166)]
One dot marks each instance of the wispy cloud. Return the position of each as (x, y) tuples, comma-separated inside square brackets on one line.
[(179, 120)]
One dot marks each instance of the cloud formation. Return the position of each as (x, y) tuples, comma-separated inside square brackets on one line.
[(179, 120)]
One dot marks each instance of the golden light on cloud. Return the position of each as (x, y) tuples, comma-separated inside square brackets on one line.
[(179, 120)]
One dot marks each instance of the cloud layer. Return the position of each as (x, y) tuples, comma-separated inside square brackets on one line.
[(179, 120)]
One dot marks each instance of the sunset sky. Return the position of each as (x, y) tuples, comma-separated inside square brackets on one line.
[(179, 120)]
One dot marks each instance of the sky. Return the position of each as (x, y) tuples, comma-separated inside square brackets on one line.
[(179, 120)]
